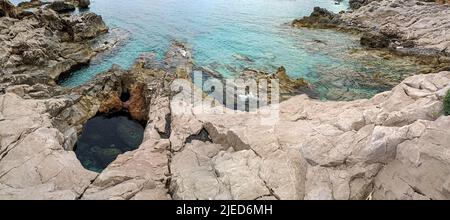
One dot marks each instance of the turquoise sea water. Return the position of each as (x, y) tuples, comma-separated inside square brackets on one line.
[(229, 35)]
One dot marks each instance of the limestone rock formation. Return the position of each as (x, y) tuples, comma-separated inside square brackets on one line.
[(355, 4), (136, 105), (326, 150), (319, 18), (61, 6), (301, 148), (392, 146), (408, 27), (416, 24), (288, 86), (7, 9), (30, 4), (33, 163), (39, 48), (84, 3)]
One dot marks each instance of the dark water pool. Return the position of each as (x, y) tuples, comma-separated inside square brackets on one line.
[(105, 137)]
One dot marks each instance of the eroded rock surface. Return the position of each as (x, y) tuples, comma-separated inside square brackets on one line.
[(33, 162), (392, 146), (408, 27), (314, 150), (413, 26), (40, 47), (7, 9)]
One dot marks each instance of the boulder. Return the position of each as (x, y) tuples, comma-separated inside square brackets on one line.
[(61, 6), (88, 26), (84, 4), (355, 4), (137, 105), (417, 26), (319, 18), (375, 40)]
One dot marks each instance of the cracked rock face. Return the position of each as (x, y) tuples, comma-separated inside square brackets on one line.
[(316, 150), (33, 162), (408, 27), (419, 25), (379, 148), (38, 48)]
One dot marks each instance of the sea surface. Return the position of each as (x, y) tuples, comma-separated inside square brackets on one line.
[(230, 35)]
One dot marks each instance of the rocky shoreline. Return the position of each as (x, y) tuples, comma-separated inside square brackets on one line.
[(45, 44), (405, 27), (392, 146)]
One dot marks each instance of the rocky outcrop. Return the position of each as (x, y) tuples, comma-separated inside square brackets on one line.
[(30, 4), (7, 9), (316, 150), (61, 6), (421, 168), (288, 86), (392, 146), (407, 27), (40, 47), (355, 4), (319, 18), (413, 28), (301, 148), (136, 105), (84, 3)]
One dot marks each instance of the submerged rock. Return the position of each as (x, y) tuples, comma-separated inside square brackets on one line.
[(319, 18), (419, 27), (288, 86)]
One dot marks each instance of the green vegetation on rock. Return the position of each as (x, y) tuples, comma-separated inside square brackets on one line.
[(447, 103)]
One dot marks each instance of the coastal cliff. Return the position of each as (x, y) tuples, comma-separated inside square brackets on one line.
[(392, 146)]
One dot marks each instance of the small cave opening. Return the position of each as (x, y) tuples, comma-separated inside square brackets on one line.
[(66, 76), (105, 136), (203, 135), (124, 96)]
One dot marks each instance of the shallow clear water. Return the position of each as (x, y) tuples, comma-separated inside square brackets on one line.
[(104, 138), (229, 35)]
